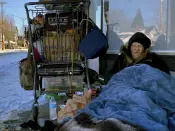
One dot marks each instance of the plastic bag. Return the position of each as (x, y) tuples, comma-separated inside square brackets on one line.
[(26, 74)]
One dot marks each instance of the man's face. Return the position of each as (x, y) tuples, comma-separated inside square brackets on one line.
[(137, 50)]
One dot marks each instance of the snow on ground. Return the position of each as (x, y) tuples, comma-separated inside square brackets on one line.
[(12, 50), (13, 98)]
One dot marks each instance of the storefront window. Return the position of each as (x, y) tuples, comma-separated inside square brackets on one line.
[(155, 18)]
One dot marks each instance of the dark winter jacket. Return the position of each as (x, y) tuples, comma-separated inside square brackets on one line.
[(124, 60)]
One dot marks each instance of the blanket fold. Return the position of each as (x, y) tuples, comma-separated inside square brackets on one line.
[(139, 94)]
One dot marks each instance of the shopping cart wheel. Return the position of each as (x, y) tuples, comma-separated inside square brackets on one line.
[(35, 111)]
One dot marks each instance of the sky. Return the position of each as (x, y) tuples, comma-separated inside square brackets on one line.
[(149, 8), (15, 9)]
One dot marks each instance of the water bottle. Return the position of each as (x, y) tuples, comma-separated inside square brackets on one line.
[(52, 109)]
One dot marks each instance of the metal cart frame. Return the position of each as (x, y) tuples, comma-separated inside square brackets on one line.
[(58, 64)]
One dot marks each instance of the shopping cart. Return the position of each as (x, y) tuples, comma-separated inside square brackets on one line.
[(54, 34)]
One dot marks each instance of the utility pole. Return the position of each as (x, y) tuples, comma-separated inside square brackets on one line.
[(2, 31), (161, 23)]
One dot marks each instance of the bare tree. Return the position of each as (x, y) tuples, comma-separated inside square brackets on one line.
[(138, 23), (8, 28)]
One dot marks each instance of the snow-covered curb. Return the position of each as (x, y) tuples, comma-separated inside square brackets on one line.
[(13, 50)]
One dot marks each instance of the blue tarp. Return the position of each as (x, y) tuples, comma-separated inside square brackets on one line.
[(139, 94)]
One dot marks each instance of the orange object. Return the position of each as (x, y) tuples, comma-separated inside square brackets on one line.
[(3, 46)]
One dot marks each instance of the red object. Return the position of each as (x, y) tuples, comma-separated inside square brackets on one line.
[(94, 92), (36, 54)]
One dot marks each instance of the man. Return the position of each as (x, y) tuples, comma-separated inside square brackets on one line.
[(137, 51)]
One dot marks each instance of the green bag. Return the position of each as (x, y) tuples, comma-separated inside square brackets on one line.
[(26, 72)]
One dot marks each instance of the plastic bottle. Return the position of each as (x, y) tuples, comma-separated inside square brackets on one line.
[(52, 109)]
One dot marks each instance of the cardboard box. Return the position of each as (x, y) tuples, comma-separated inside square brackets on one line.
[(61, 48)]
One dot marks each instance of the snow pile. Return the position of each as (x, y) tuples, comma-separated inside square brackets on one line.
[(13, 98)]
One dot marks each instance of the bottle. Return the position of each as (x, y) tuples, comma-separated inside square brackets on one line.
[(52, 109)]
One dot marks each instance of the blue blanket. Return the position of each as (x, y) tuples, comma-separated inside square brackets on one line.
[(139, 94)]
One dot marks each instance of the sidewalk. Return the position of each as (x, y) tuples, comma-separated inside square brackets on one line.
[(14, 125)]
